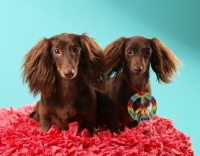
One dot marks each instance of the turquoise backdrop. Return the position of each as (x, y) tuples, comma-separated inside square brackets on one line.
[(23, 23)]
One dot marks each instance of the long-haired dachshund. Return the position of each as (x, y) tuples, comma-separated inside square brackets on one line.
[(128, 61), (65, 69)]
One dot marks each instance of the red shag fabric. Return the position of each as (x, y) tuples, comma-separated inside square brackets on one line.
[(20, 136)]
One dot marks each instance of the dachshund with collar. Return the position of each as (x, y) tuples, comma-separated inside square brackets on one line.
[(128, 62)]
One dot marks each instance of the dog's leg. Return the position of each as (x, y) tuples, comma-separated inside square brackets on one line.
[(34, 114), (90, 124), (112, 121), (45, 122), (133, 124)]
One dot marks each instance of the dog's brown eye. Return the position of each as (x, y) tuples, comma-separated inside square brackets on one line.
[(75, 49), (129, 52), (147, 54), (57, 51)]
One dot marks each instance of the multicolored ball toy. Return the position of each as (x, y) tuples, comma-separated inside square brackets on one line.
[(142, 113)]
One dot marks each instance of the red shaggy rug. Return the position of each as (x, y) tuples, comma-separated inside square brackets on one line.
[(20, 136)]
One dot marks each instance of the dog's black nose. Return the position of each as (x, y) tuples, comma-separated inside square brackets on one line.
[(69, 73), (138, 69)]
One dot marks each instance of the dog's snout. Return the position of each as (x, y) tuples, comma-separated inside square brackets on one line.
[(138, 69), (69, 73)]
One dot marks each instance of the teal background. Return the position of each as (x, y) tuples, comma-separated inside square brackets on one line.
[(177, 23)]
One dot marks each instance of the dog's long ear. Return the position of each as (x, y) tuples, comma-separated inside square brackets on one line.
[(164, 63), (92, 62), (114, 54), (38, 70)]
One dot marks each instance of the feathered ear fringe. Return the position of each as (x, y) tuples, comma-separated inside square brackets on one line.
[(38, 70), (93, 62), (114, 54), (164, 63)]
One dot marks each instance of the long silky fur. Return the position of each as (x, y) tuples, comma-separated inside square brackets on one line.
[(93, 63), (38, 70), (114, 54), (163, 62)]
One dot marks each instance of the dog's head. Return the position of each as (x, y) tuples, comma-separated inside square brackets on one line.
[(135, 54), (66, 55)]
